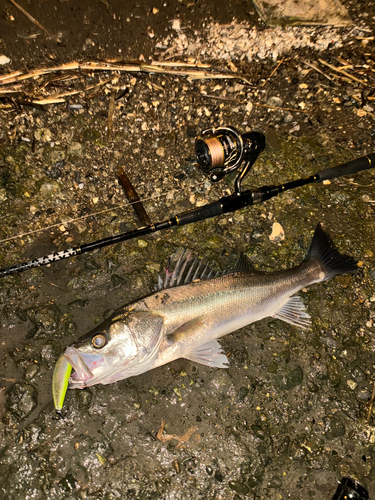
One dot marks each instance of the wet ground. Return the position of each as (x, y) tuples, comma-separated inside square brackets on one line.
[(292, 414)]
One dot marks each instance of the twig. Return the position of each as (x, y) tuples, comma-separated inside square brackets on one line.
[(341, 78), (53, 99), (181, 439), (59, 98), (339, 70), (273, 72), (94, 66), (311, 65), (8, 91), (57, 78), (223, 98), (372, 399), (31, 18), (10, 76), (49, 100), (345, 64), (218, 76), (111, 110), (181, 64), (133, 198), (191, 74), (359, 28), (280, 107)]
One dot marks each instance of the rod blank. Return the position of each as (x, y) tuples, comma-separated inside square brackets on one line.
[(223, 205)]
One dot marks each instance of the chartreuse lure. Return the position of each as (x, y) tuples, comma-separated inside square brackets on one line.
[(61, 375)]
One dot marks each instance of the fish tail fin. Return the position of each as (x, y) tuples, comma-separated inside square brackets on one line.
[(332, 261)]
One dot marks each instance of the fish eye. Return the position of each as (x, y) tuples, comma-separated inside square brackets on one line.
[(99, 341)]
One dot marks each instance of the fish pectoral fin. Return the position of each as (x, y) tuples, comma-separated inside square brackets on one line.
[(189, 330), (210, 354), (294, 312)]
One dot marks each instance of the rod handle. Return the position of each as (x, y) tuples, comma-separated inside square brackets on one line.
[(224, 205), (200, 213), (351, 167)]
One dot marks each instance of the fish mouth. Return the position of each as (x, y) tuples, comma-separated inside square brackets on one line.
[(83, 365)]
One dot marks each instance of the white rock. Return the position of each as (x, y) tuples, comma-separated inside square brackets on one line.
[(43, 134), (176, 24), (278, 233), (249, 107), (4, 59), (275, 101)]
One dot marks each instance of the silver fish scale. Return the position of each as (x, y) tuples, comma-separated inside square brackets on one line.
[(185, 321), (232, 301)]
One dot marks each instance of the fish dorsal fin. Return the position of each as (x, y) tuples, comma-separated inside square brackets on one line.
[(243, 265), (187, 269), (210, 354), (294, 312)]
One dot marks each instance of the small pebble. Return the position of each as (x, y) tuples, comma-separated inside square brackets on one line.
[(21, 400), (278, 233), (275, 101), (363, 395), (4, 59)]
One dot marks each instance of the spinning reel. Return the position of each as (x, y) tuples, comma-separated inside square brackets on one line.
[(222, 150)]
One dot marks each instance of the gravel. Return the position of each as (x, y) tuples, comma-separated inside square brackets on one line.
[(291, 415)]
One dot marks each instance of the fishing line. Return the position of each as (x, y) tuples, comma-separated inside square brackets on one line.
[(219, 151), (70, 221)]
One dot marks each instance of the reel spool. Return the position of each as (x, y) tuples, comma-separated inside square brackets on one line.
[(222, 150)]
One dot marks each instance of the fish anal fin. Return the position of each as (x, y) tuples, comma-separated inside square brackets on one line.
[(210, 354), (294, 312)]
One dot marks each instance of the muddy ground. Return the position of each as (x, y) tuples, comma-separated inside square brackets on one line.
[(292, 414)]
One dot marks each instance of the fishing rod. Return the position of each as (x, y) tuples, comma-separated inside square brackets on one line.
[(219, 151)]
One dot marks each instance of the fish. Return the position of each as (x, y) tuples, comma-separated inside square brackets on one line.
[(190, 310)]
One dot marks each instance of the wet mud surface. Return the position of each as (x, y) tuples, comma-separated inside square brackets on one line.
[(292, 414)]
